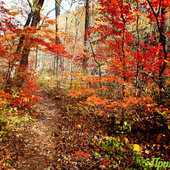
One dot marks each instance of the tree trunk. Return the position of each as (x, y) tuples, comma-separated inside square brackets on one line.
[(164, 44), (32, 20), (85, 59), (163, 40), (57, 13)]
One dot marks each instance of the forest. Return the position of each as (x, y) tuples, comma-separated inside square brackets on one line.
[(84, 85)]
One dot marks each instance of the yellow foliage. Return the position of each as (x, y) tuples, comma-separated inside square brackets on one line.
[(136, 148)]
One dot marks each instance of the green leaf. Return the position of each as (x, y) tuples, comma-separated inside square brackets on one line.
[(97, 155)]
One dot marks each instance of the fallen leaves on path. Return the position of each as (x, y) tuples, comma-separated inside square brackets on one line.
[(56, 138)]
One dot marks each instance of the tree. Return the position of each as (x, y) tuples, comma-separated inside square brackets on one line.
[(132, 56), (18, 80), (24, 49), (87, 21), (161, 25), (57, 13)]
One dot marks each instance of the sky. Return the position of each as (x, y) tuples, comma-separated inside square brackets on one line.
[(48, 5)]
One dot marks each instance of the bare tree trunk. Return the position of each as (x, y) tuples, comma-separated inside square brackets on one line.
[(164, 44), (65, 41), (36, 58), (74, 48), (138, 41), (57, 13), (123, 61), (163, 40), (85, 59)]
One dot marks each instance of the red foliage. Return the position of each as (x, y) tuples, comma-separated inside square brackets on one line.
[(80, 154), (106, 162)]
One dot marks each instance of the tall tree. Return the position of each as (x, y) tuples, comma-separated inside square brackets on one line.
[(57, 13), (24, 46), (32, 20), (85, 59), (161, 25)]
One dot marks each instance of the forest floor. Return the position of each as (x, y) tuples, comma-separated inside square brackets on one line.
[(48, 140), (54, 139), (34, 139)]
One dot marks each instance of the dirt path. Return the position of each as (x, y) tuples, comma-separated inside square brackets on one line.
[(57, 140), (39, 147), (50, 140)]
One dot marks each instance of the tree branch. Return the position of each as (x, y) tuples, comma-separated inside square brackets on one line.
[(29, 4), (159, 8), (94, 56), (46, 16), (156, 17), (157, 82)]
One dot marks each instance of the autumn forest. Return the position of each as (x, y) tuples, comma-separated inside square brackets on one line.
[(84, 84)]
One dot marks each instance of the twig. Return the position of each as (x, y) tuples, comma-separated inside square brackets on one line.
[(159, 8), (153, 78), (29, 4)]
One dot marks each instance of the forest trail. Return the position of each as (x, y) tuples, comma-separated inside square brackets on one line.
[(39, 147), (58, 138), (50, 139)]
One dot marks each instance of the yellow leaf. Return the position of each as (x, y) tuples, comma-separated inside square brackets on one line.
[(136, 147), (147, 152), (79, 126), (126, 140)]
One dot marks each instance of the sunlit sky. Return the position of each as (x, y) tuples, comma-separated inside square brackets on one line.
[(48, 5), (65, 6)]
